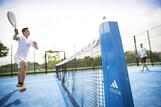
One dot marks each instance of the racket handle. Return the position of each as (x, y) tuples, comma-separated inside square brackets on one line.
[(16, 31)]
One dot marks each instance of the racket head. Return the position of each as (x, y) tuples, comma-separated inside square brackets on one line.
[(12, 18)]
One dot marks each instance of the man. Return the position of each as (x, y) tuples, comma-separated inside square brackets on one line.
[(24, 44), (143, 56)]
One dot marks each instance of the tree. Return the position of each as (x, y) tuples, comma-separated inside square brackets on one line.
[(53, 58), (3, 50), (130, 56)]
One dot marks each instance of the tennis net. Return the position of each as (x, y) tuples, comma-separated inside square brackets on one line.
[(82, 76)]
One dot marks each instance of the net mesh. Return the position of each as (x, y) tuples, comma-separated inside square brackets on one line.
[(82, 76)]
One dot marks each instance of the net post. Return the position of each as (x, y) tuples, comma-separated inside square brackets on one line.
[(116, 81)]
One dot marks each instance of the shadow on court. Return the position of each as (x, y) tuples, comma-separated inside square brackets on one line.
[(42, 91), (6, 98), (16, 103)]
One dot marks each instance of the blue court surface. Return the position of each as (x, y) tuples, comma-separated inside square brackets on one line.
[(46, 91), (146, 86), (42, 91)]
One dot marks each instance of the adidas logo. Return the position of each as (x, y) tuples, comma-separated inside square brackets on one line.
[(114, 84)]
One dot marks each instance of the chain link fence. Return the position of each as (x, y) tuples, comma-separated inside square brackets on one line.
[(36, 62), (151, 41)]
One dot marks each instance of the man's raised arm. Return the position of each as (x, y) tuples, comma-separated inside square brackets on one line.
[(35, 44), (15, 35)]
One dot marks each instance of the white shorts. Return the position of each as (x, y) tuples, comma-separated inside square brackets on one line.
[(18, 61)]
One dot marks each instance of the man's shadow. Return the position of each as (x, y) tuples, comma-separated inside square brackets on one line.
[(16, 102), (6, 98)]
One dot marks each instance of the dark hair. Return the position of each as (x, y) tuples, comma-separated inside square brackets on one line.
[(141, 45), (24, 29)]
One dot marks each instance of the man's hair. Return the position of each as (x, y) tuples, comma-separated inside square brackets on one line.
[(24, 29), (141, 45)]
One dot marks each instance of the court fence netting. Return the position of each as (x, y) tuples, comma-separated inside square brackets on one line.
[(150, 39)]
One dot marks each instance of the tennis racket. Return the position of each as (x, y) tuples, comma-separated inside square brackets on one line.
[(12, 18)]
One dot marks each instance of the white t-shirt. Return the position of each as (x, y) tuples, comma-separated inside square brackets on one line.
[(23, 48), (143, 52)]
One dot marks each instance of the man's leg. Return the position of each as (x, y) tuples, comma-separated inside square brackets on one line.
[(143, 66), (19, 84), (19, 75), (19, 69), (22, 75), (147, 68), (146, 65)]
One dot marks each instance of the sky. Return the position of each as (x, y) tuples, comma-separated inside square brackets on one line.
[(69, 25)]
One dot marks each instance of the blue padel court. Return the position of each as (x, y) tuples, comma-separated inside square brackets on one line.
[(42, 91), (45, 90), (95, 76)]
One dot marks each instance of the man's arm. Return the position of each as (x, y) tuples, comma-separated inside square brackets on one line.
[(15, 35), (35, 45)]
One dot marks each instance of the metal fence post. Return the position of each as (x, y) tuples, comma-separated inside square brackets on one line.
[(151, 59), (34, 62), (11, 63), (136, 52), (46, 62)]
